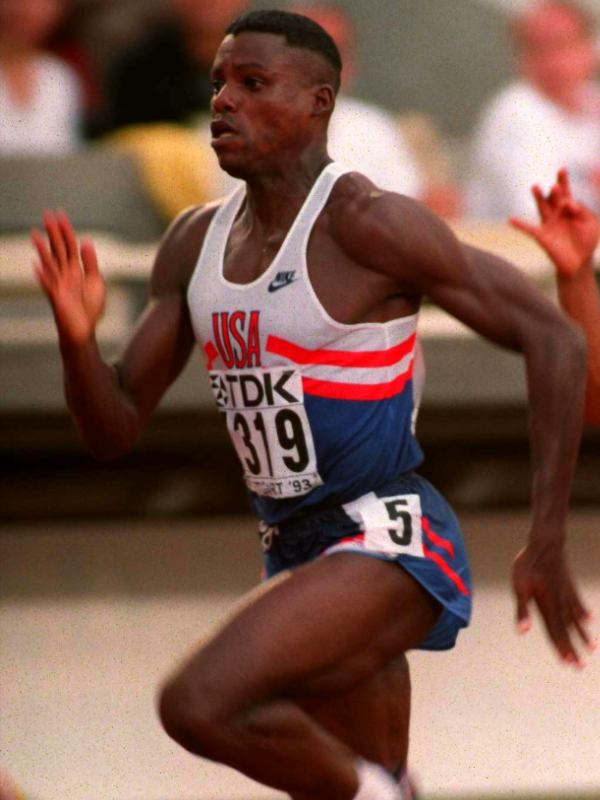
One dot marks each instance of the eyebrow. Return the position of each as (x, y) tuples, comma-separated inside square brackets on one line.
[(244, 65), (250, 65)]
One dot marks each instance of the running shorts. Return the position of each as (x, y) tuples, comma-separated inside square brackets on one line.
[(407, 521)]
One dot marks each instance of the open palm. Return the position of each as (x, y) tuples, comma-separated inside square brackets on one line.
[(69, 276), (568, 230)]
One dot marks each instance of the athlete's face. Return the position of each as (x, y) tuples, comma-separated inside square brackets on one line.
[(266, 105)]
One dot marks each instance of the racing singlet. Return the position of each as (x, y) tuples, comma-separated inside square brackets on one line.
[(318, 411)]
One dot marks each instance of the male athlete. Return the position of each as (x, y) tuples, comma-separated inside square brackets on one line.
[(302, 289)]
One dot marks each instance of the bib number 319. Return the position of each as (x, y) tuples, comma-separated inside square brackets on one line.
[(269, 428)]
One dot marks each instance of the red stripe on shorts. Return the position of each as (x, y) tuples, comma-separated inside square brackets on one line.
[(436, 539), (360, 537), (446, 569)]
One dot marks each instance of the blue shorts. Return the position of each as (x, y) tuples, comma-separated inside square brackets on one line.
[(406, 521)]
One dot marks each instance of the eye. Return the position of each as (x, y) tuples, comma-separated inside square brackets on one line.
[(252, 83), (216, 86)]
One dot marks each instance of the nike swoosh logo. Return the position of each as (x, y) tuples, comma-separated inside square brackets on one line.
[(280, 284)]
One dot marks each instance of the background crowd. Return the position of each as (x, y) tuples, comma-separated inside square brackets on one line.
[(131, 77), (76, 74)]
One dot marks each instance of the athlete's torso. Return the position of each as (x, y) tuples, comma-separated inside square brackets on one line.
[(319, 406)]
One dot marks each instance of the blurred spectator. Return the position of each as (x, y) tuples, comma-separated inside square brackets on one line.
[(68, 43), (547, 119), (166, 77), (40, 97), (361, 134), (175, 166)]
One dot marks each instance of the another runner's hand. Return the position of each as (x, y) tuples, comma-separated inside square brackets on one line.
[(541, 575), (68, 274), (568, 230)]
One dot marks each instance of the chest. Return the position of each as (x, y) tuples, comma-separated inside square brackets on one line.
[(347, 290)]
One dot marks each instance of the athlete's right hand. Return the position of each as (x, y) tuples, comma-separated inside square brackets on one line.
[(68, 274)]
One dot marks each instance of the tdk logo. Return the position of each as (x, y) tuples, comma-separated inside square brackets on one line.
[(235, 390)]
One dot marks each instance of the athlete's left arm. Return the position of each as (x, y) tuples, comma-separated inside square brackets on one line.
[(496, 300)]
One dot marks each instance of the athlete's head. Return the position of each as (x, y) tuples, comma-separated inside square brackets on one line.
[(275, 77), (556, 47), (340, 27)]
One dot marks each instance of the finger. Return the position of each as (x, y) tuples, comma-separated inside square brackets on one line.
[(583, 617), (525, 227), (572, 207), (584, 635), (69, 237), (541, 202), (580, 610), (46, 259), (564, 181), (42, 277), (558, 631), (89, 258), (55, 236), (555, 196), (523, 617)]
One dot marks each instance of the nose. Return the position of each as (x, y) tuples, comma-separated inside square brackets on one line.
[(223, 100)]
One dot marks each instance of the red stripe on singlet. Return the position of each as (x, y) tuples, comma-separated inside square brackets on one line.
[(357, 391), (210, 351), (341, 358)]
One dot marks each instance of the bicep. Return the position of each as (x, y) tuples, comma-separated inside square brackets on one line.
[(493, 298), (482, 290)]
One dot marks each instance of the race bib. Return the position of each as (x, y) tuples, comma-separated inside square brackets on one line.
[(268, 425), (390, 524)]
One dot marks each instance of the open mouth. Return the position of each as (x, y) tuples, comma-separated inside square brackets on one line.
[(221, 129)]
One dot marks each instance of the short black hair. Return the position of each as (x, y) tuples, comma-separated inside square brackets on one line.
[(298, 31)]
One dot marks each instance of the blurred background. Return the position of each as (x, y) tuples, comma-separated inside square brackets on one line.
[(110, 572)]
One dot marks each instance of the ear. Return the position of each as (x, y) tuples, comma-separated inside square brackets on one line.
[(323, 100)]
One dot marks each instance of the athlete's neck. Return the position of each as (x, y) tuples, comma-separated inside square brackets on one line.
[(274, 198)]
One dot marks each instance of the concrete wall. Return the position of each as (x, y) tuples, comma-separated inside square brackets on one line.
[(93, 615)]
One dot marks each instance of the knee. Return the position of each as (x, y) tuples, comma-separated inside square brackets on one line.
[(187, 716)]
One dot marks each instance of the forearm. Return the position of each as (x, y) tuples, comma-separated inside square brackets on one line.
[(580, 298), (556, 381), (106, 420), (519, 317)]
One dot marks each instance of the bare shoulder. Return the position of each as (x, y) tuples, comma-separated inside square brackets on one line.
[(180, 247), (385, 230)]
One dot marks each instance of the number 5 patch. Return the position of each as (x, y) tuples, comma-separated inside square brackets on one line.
[(390, 524)]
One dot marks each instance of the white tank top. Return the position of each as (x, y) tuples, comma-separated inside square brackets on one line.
[(319, 411)]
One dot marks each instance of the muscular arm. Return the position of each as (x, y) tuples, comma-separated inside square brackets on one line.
[(493, 298), (498, 302), (111, 404)]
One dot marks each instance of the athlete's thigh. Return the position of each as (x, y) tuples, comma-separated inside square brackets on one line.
[(372, 718), (326, 628)]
